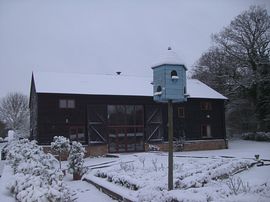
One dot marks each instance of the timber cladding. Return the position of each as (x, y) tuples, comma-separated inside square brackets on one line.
[(87, 119)]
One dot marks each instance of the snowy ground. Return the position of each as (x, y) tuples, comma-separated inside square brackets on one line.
[(139, 169)]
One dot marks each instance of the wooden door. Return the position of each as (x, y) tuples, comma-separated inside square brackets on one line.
[(153, 123), (97, 118)]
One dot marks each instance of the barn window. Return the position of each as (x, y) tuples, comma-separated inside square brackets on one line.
[(70, 104), (174, 74), (205, 130), (66, 103), (76, 133), (159, 91), (62, 103), (206, 106), (181, 112)]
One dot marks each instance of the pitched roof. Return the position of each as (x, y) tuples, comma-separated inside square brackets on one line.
[(90, 84), (171, 58)]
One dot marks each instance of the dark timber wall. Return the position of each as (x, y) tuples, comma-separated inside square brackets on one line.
[(48, 120)]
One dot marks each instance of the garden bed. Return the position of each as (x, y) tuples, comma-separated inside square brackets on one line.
[(144, 177)]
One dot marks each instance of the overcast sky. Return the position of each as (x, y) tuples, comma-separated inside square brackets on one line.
[(105, 36)]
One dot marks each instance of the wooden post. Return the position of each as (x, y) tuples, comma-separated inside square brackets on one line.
[(170, 156)]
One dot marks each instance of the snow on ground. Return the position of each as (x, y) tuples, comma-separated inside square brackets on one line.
[(6, 175), (85, 192), (195, 177), (148, 171), (237, 148)]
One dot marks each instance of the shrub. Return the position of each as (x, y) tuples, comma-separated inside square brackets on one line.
[(237, 186), (153, 147), (60, 144), (36, 174), (257, 136), (75, 158), (128, 183)]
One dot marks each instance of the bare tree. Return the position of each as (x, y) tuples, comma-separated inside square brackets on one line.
[(14, 112), (239, 66), (247, 41), (215, 69)]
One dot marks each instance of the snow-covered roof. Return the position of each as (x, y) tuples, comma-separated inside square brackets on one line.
[(92, 84), (170, 57)]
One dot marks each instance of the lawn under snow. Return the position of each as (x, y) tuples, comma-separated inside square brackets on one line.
[(198, 176)]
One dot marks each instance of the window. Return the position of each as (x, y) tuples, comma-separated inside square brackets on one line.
[(181, 112), (159, 91), (76, 133), (206, 106), (174, 75), (205, 130), (70, 104), (125, 114), (66, 103)]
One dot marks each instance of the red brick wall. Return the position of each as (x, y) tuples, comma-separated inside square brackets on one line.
[(195, 145), (204, 145), (96, 150), (99, 150), (91, 150)]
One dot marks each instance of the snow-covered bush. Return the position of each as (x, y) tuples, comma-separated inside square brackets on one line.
[(75, 158), (126, 166), (37, 176), (154, 162), (142, 160), (152, 147), (116, 179), (237, 186), (13, 135), (257, 136), (220, 170), (19, 151), (60, 145)]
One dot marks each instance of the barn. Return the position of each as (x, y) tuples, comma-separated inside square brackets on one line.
[(117, 113)]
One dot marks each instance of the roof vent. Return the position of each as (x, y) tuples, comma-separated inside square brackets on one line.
[(118, 73), (169, 48)]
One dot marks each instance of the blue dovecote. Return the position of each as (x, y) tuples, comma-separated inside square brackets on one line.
[(169, 79)]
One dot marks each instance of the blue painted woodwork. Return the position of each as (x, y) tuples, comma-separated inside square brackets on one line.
[(169, 83)]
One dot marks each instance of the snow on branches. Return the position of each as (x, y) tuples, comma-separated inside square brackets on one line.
[(75, 158), (37, 177), (60, 145)]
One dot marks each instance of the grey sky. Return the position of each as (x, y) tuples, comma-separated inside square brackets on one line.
[(104, 36)]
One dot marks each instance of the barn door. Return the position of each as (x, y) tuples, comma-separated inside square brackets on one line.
[(97, 129), (153, 123)]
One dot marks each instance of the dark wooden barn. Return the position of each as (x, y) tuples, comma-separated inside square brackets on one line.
[(116, 113)]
